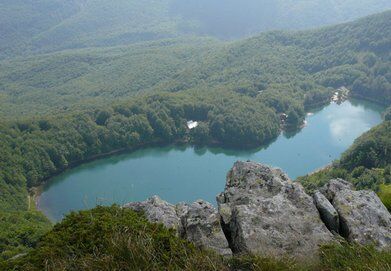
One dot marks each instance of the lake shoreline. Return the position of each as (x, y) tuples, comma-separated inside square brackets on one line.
[(35, 192)]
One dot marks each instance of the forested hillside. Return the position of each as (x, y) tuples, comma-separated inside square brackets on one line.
[(84, 104), (355, 55), (28, 26), (367, 164), (235, 19), (43, 26)]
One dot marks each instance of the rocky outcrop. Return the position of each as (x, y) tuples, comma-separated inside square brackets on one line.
[(363, 217), (264, 212), (157, 210), (198, 222), (334, 186), (327, 212), (201, 226)]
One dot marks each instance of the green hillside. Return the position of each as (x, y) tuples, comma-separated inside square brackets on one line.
[(366, 164), (43, 26), (28, 26), (355, 55), (235, 19)]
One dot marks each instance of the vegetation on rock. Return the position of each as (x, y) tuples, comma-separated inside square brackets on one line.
[(111, 238)]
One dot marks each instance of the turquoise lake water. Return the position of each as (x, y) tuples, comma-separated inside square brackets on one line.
[(186, 173)]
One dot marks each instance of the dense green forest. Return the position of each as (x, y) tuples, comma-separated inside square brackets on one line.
[(28, 26), (92, 102), (235, 19), (355, 55)]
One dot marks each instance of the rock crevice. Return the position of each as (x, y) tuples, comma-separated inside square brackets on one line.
[(198, 222), (264, 212), (362, 216)]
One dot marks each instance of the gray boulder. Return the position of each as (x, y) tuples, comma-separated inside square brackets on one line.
[(264, 212), (327, 212), (198, 222), (202, 226), (157, 210), (363, 217), (334, 186)]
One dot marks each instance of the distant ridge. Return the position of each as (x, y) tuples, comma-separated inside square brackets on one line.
[(41, 26)]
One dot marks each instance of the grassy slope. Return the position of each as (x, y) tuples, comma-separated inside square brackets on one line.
[(110, 238), (385, 195)]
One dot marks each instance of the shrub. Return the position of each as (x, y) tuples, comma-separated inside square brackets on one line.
[(111, 238)]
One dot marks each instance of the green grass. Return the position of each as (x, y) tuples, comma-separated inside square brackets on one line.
[(385, 195), (353, 257), (111, 238)]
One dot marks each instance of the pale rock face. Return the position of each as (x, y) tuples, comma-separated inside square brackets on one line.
[(198, 222), (202, 227), (327, 212), (363, 217), (333, 187), (263, 212), (157, 210)]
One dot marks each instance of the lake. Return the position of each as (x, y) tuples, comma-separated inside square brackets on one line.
[(187, 173)]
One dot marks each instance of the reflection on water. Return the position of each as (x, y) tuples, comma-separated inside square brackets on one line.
[(186, 173)]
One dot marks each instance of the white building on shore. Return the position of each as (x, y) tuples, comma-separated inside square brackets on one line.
[(192, 124)]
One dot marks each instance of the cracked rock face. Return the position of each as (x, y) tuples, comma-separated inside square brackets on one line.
[(327, 212), (363, 217), (198, 222), (263, 212), (202, 227), (334, 186)]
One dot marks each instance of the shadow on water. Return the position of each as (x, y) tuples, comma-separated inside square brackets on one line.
[(367, 105), (292, 132), (233, 151), (183, 172)]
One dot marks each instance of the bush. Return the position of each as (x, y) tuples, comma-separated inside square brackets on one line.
[(385, 195), (111, 238), (20, 230)]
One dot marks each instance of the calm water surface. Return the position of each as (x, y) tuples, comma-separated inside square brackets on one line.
[(186, 173)]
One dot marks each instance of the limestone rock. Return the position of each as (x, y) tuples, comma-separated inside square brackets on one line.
[(334, 186), (327, 212), (202, 227), (198, 222), (363, 217), (264, 212), (157, 210), (261, 211)]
